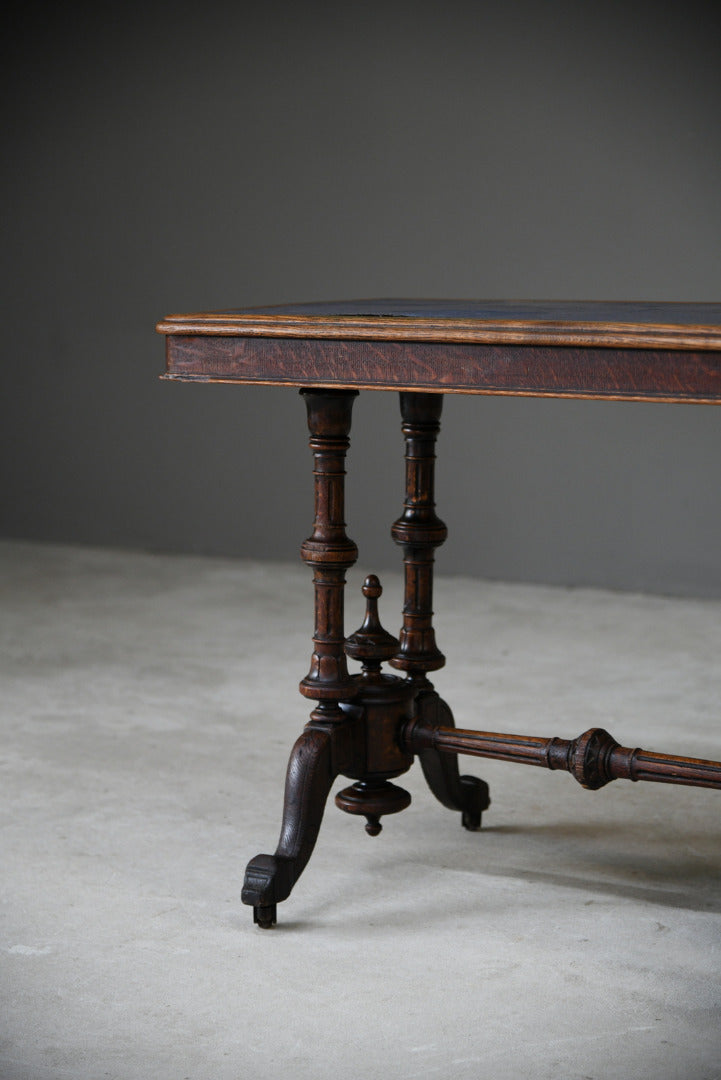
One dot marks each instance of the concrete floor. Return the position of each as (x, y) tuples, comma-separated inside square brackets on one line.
[(148, 707)]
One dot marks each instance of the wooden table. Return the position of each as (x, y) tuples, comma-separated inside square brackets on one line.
[(370, 726)]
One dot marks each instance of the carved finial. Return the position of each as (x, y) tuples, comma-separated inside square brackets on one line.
[(371, 644), (372, 588), (373, 798)]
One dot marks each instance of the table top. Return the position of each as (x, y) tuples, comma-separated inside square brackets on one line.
[(592, 322), (618, 349)]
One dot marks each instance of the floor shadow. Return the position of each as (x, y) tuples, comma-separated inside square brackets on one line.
[(592, 858), (599, 864)]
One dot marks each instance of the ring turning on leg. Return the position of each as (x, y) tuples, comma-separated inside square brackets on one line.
[(419, 532), (321, 749)]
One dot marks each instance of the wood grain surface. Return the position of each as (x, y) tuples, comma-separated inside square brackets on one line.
[(637, 324), (635, 351)]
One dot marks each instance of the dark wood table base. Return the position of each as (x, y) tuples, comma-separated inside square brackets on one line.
[(370, 727)]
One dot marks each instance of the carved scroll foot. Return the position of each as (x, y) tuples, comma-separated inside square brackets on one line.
[(269, 879), (469, 794)]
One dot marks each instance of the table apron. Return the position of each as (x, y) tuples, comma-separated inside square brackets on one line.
[(524, 370)]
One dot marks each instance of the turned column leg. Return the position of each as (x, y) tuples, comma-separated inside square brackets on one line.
[(322, 750), (420, 531)]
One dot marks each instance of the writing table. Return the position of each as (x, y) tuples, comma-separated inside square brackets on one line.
[(369, 727)]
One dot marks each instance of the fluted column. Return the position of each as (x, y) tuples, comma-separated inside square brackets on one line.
[(419, 531), (328, 550)]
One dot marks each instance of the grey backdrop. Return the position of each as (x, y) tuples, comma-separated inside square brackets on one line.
[(178, 159)]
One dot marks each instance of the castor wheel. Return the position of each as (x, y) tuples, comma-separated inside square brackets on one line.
[(265, 916), (476, 799)]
